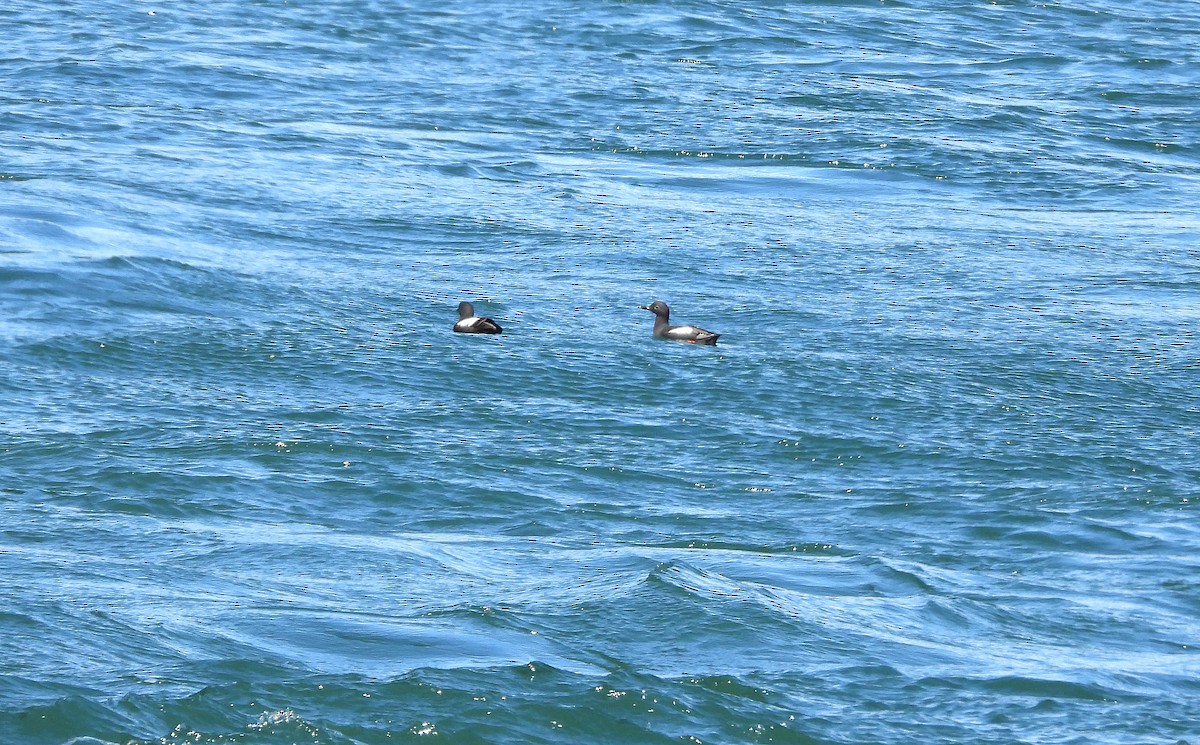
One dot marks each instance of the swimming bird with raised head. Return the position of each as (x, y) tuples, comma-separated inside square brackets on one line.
[(664, 330), (469, 323)]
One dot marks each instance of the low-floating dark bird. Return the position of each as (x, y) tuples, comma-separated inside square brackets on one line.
[(664, 330), (469, 323)]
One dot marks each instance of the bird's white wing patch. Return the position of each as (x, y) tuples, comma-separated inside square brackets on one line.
[(686, 332)]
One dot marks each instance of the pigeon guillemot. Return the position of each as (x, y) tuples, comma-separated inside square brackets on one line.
[(664, 330), (469, 323)]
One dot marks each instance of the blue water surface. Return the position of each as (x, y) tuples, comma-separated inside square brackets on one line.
[(937, 482)]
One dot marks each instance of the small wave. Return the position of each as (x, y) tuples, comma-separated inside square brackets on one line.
[(815, 549)]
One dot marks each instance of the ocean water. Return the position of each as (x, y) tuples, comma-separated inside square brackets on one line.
[(937, 483)]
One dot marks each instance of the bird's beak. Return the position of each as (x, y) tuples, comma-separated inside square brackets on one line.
[(644, 307)]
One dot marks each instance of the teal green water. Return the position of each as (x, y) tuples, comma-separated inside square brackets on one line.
[(936, 484)]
